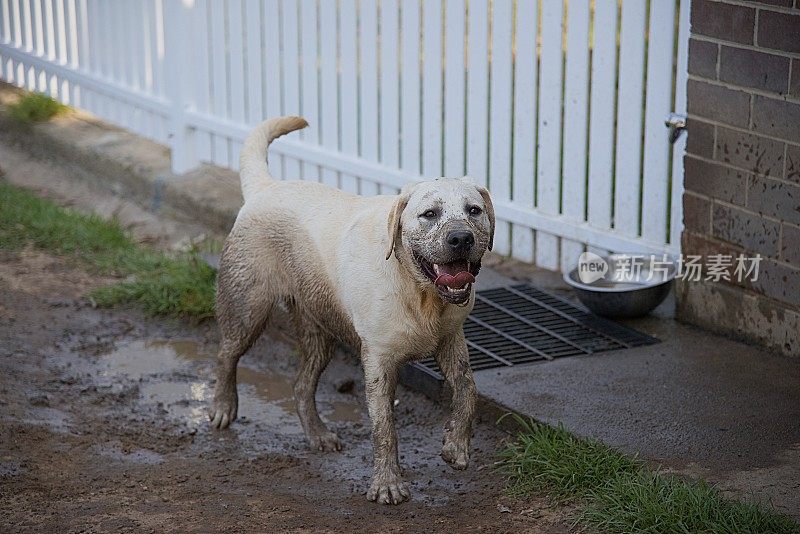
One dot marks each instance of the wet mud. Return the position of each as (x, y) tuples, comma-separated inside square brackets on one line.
[(103, 428)]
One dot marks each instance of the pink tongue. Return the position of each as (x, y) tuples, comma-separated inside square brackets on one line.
[(455, 282)]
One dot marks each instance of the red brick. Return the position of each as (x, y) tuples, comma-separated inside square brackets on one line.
[(779, 118), (754, 153), (794, 87), (703, 58), (793, 163), (745, 229), (790, 244), (696, 213), (723, 21), (758, 70), (700, 140), (715, 180), (703, 245), (718, 103), (777, 280), (780, 31), (774, 198)]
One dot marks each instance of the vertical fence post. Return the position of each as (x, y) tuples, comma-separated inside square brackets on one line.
[(177, 15)]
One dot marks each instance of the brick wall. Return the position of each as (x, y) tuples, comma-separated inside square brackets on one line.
[(742, 168)]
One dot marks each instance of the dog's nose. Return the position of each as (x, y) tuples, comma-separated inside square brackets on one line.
[(460, 240)]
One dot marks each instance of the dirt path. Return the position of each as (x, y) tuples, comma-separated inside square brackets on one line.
[(103, 429)]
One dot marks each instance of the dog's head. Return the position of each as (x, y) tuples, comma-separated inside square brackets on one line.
[(441, 229)]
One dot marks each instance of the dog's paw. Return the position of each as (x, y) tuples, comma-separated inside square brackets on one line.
[(223, 411), (388, 489), (325, 441), (455, 454)]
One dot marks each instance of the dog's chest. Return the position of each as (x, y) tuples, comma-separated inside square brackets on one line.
[(415, 336)]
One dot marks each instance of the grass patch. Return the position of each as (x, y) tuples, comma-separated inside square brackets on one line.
[(36, 107), (179, 285), (621, 494)]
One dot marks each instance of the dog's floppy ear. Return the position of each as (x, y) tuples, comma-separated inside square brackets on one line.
[(394, 221), (487, 203)]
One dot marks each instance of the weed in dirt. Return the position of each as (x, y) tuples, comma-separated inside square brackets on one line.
[(36, 107), (179, 285), (619, 493)]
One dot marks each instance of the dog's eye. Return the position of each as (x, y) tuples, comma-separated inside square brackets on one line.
[(475, 210), (430, 214)]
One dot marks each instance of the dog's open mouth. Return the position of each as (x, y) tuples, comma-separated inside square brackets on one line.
[(453, 280)]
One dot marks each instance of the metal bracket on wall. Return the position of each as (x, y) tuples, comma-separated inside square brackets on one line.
[(676, 124)]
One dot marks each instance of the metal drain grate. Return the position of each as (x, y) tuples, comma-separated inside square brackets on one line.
[(521, 324)]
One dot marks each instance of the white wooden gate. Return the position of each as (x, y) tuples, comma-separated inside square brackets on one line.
[(558, 106)]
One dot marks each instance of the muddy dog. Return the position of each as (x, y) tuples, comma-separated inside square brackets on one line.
[(390, 276)]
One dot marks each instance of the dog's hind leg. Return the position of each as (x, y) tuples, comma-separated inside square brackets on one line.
[(244, 304), (224, 407), (316, 348)]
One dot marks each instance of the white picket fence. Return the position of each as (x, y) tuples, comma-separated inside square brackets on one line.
[(558, 106)]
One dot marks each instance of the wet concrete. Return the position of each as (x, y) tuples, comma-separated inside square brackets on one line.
[(696, 403)]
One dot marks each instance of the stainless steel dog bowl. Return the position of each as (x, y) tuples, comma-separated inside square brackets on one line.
[(626, 292)]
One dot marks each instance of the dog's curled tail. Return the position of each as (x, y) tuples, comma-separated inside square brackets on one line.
[(254, 173)]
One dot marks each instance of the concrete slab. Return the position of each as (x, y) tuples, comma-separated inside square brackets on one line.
[(695, 403)]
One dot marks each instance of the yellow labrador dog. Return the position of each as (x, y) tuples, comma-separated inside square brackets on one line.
[(390, 276)]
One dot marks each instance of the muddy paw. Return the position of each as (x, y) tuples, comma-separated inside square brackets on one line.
[(325, 441), (456, 454), (223, 411), (388, 489)]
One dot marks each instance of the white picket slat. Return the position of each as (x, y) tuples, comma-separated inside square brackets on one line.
[(80, 96), (576, 100), (291, 75), (368, 17), (601, 120), (658, 105), (61, 55), (390, 99), (525, 74), (93, 99), (454, 83), (329, 86), (500, 116), (478, 92), (410, 82), (5, 13), (219, 78), (27, 74), (73, 47), (38, 79), (254, 112), (236, 80), (348, 93), (49, 45), (633, 29), (310, 82), (6, 64), (548, 175), (200, 75), (432, 88)]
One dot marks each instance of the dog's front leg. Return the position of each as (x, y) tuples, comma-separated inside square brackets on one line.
[(380, 375), (453, 360)]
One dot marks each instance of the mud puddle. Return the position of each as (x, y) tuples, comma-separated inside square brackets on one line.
[(166, 369)]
